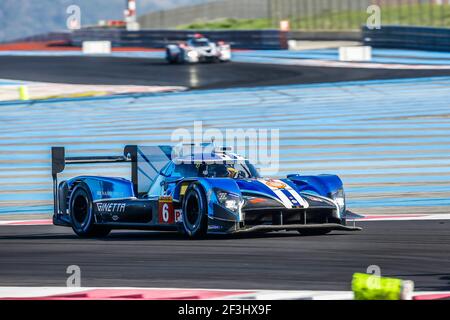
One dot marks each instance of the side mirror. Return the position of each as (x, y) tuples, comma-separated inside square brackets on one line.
[(170, 180)]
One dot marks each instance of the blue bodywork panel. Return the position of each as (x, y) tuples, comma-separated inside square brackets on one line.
[(103, 188), (323, 185)]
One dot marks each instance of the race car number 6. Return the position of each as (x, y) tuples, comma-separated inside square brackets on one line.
[(165, 212)]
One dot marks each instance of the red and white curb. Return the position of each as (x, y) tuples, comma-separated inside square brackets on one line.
[(432, 296), (102, 293)]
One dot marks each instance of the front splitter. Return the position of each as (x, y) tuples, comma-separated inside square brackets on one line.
[(324, 226)]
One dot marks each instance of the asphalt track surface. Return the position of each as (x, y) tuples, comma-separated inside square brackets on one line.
[(416, 250), (135, 71)]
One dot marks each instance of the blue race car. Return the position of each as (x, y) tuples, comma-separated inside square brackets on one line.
[(214, 192)]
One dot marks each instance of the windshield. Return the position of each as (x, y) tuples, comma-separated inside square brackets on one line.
[(235, 170), (199, 43)]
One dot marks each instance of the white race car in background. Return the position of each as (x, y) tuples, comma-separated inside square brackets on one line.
[(198, 49)]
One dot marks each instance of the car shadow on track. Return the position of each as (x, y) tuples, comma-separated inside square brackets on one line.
[(145, 236), (164, 236), (39, 237)]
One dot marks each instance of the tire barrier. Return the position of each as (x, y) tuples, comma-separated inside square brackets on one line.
[(239, 39), (402, 37)]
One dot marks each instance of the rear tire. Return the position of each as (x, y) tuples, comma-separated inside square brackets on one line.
[(195, 216), (170, 59), (82, 215), (181, 57)]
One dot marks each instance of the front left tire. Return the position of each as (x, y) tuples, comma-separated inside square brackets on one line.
[(195, 216), (169, 58)]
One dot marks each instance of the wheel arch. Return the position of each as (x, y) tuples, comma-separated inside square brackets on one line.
[(324, 184)]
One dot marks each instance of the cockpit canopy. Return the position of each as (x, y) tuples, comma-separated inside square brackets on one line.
[(156, 162), (236, 169), (201, 42)]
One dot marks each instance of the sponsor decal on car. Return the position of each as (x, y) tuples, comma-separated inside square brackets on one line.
[(166, 214), (109, 194), (178, 216), (111, 207), (183, 189), (276, 184), (290, 198), (257, 200)]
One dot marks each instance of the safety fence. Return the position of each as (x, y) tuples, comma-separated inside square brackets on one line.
[(240, 39), (302, 14), (401, 37)]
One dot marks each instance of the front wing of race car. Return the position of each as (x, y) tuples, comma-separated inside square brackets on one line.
[(278, 220), (298, 227)]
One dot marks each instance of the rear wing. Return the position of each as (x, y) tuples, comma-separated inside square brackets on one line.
[(59, 162)]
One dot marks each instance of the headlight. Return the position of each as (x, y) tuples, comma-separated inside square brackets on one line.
[(228, 200), (339, 198), (192, 54)]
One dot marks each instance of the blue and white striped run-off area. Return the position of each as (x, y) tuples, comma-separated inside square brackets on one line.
[(388, 140)]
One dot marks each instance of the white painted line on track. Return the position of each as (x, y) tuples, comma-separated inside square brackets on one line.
[(40, 222), (403, 217)]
